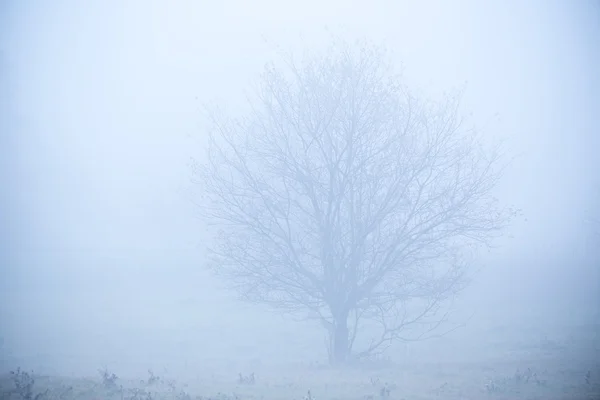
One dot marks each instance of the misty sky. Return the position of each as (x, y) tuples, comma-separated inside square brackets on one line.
[(101, 113)]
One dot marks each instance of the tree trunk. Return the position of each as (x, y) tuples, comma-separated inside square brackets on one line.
[(339, 349)]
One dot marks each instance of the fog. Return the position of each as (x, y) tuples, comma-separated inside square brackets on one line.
[(102, 251)]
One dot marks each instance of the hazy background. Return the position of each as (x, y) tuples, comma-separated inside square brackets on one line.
[(101, 257)]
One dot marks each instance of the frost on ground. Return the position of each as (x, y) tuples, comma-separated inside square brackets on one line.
[(543, 368)]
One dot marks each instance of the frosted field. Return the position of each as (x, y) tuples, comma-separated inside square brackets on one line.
[(526, 363)]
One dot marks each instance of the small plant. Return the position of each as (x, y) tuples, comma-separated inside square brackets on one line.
[(109, 380), (246, 380), (494, 386), (531, 376), (442, 388), (384, 392), (152, 379), (518, 376), (140, 394), (172, 385), (588, 377), (24, 383), (309, 396), (183, 396), (375, 381)]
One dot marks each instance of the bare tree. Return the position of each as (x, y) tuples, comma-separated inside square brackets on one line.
[(342, 197)]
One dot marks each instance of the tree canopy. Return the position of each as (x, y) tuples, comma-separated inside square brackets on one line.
[(341, 196)]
